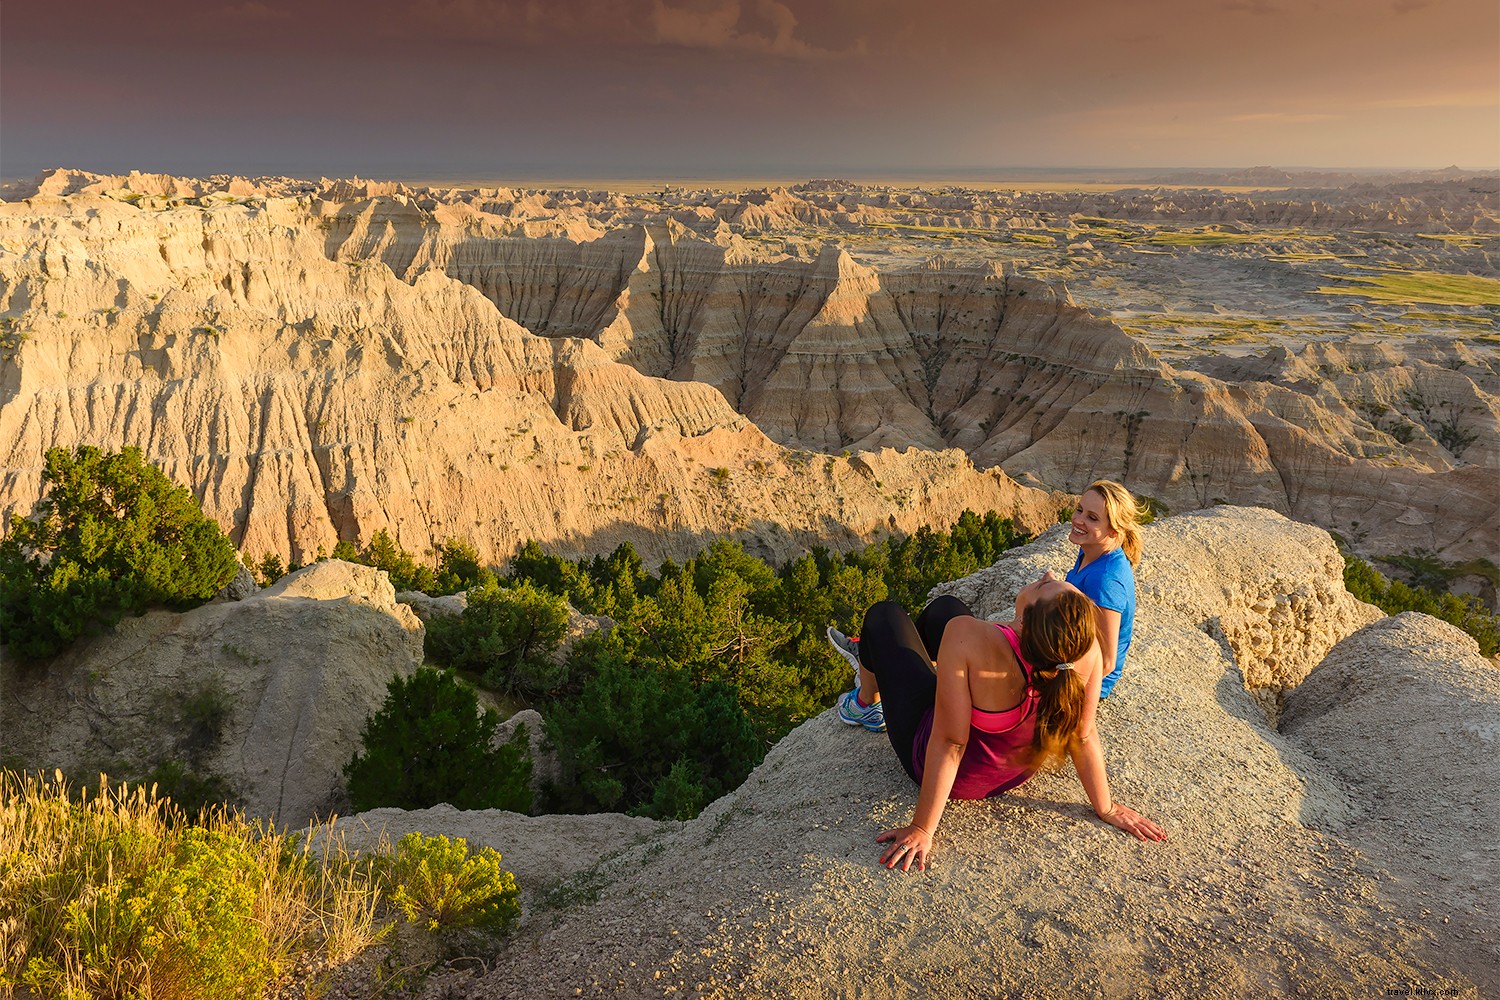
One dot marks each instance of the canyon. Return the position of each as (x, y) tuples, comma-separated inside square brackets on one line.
[(321, 360), (823, 365)]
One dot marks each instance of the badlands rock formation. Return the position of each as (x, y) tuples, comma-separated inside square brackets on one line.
[(1393, 445), (269, 692), (1434, 201), (1350, 854), (307, 400), (320, 360)]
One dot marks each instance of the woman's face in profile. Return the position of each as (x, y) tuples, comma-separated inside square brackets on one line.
[(1044, 587)]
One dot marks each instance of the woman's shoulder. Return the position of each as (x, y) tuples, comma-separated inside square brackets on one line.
[(976, 636), (969, 628), (1116, 563)]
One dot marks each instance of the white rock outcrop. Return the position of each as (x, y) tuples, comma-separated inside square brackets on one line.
[(269, 692), (1289, 866), (1406, 714)]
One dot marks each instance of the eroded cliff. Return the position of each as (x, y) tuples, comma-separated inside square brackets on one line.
[(308, 399), (321, 360)]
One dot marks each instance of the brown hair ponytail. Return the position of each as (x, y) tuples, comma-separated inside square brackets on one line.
[(1056, 633)]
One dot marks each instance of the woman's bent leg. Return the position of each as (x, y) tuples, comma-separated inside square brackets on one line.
[(891, 648), (935, 618)]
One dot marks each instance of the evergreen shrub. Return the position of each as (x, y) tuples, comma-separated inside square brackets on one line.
[(506, 634), (643, 738), (1393, 597), (111, 536), (429, 743), (406, 573), (459, 568)]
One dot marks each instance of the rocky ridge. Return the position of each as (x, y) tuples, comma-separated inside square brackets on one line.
[(268, 692), (1304, 859), (1435, 201)]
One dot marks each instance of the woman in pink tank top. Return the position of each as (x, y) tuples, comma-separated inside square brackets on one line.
[(1003, 702)]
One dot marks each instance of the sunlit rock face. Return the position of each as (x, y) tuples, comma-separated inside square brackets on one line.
[(1392, 444), (325, 359), (310, 397)]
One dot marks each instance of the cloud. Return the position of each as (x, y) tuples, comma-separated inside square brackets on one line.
[(1283, 118), (766, 27), (699, 25), (1461, 99), (762, 27)]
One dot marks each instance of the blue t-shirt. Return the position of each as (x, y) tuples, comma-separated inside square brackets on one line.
[(1110, 583)]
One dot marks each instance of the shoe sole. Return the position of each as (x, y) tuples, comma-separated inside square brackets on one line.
[(852, 658)]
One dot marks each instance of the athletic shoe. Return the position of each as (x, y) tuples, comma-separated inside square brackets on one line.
[(847, 648), (852, 713)]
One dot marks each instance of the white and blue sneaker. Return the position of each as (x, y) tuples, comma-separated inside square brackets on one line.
[(852, 713)]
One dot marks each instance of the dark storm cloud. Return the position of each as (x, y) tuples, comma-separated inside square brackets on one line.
[(736, 86)]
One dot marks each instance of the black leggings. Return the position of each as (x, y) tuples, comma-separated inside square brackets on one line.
[(900, 654)]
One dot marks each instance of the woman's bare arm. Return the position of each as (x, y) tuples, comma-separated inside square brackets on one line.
[(945, 747), (1088, 758), (1107, 626)]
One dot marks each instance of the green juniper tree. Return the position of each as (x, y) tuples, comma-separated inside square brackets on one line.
[(111, 536), (506, 634), (429, 743)]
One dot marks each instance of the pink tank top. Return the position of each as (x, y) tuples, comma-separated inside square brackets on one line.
[(996, 742)]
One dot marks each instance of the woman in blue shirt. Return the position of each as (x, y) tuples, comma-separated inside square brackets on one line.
[(1106, 528)]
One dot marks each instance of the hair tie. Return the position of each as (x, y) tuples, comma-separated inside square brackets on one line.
[(1065, 666)]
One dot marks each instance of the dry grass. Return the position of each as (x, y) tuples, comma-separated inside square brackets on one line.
[(113, 893), (1397, 287)]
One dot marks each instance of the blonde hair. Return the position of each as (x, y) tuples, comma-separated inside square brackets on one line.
[(1124, 514), (1055, 634)]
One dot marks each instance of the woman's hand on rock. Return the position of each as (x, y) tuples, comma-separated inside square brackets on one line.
[(907, 844), (1132, 822)]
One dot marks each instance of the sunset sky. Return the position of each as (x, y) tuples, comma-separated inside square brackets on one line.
[(702, 88)]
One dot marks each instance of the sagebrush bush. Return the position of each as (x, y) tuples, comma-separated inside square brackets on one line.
[(429, 743), (115, 894), (438, 884), (110, 536)]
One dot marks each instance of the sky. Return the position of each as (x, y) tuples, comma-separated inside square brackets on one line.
[(743, 88)]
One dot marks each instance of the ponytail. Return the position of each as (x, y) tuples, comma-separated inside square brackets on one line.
[(1055, 635)]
